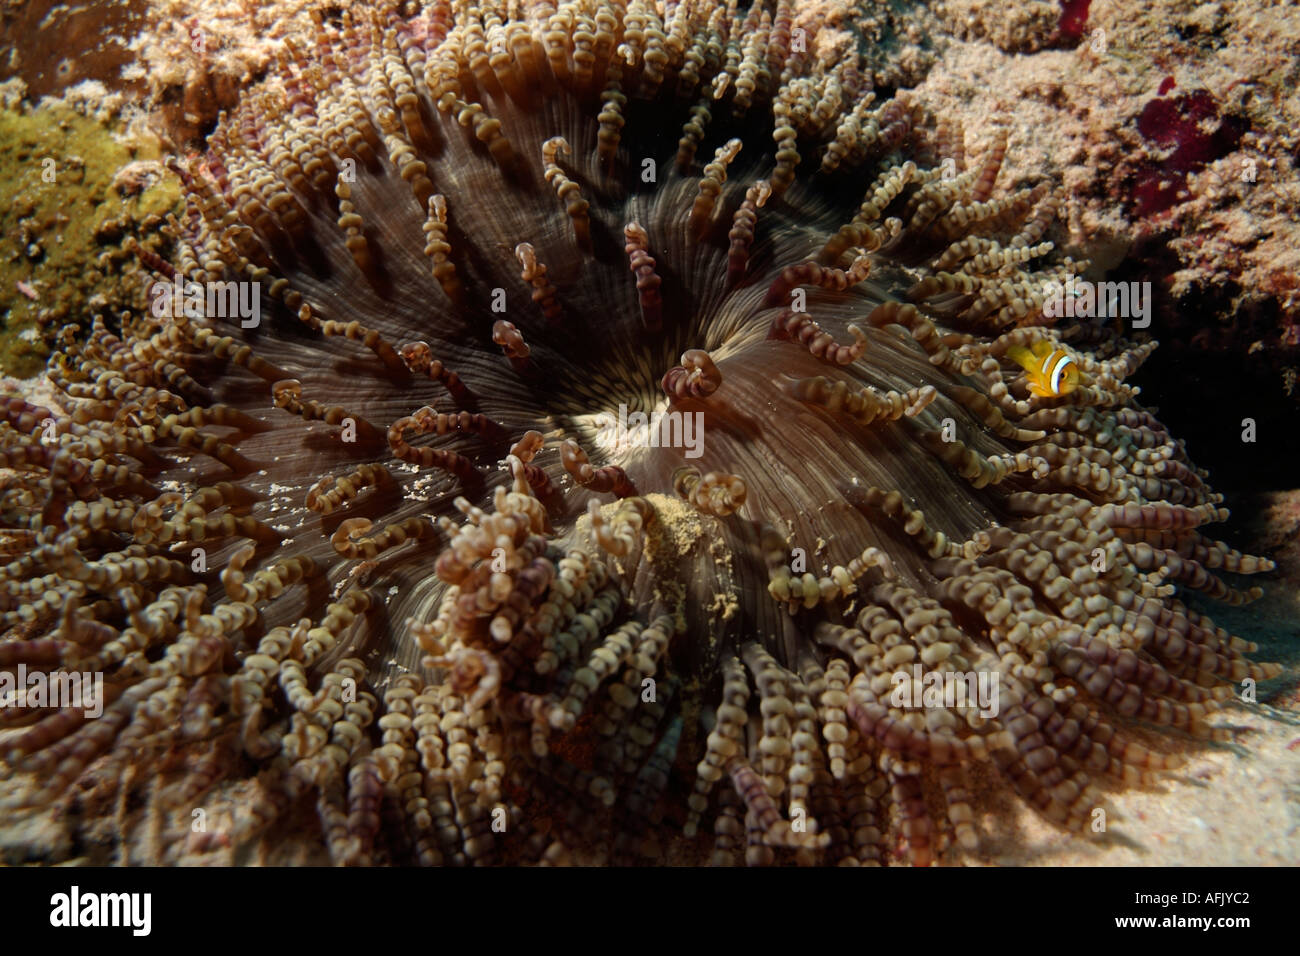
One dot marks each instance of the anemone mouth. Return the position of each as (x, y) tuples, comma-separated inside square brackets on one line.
[(399, 555)]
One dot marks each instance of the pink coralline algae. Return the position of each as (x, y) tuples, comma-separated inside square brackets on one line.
[(1074, 20), (1194, 132)]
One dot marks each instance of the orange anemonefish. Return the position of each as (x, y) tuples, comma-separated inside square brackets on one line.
[(1051, 372)]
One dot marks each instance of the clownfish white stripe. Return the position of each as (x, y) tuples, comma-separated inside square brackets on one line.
[(1062, 363)]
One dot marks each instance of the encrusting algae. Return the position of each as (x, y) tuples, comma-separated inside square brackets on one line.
[(69, 194), (364, 572)]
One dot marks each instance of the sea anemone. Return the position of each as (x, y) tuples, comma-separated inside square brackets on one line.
[(371, 565)]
